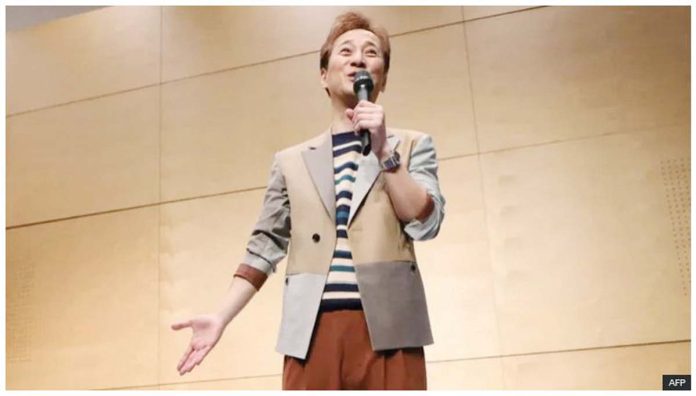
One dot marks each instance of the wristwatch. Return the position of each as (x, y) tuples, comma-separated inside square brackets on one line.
[(391, 163)]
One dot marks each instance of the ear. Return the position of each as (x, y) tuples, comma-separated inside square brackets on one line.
[(322, 79)]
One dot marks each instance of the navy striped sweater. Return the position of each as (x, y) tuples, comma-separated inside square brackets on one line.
[(341, 289)]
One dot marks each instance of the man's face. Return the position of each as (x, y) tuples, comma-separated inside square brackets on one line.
[(352, 51)]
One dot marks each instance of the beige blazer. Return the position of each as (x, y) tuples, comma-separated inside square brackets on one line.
[(298, 220)]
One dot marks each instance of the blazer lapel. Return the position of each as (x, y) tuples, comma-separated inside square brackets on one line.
[(318, 159), (368, 169)]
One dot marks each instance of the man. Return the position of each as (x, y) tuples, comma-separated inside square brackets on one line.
[(354, 310)]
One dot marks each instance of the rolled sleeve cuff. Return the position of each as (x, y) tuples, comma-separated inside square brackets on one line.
[(258, 262), (255, 276), (428, 228)]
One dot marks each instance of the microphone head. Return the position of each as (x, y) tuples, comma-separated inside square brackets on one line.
[(363, 80)]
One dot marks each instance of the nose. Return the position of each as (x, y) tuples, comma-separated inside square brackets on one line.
[(357, 60)]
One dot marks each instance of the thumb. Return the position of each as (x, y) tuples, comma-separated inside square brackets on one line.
[(181, 325), (349, 113)]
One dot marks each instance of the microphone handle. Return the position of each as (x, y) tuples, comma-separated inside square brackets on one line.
[(365, 139), (364, 133)]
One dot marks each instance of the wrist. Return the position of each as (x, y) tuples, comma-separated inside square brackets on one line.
[(384, 154), (390, 162), (223, 317)]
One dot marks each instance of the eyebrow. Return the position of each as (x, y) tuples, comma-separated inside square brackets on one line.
[(369, 42)]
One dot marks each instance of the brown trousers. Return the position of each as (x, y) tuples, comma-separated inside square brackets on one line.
[(340, 356)]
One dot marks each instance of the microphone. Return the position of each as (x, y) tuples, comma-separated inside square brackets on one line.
[(362, 86)]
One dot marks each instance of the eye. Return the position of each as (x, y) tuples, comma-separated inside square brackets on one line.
[(344, 51), (372, 52)]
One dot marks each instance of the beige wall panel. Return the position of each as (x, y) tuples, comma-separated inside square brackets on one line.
[(203, 39), (621, 368), (456, 269), (83, 157), (466, 374), (219, 132), (428, 88), (582, 241), (95, 53), (475, 12), (82, 302), (555, 73), (639, 367), (652, 54), (272, 382), (207, 120), (454, 375), (203, 242), (463, 374)]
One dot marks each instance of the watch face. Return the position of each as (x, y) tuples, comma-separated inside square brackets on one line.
[(392, 162)]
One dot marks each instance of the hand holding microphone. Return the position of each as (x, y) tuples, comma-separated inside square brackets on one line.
[(367, 117)]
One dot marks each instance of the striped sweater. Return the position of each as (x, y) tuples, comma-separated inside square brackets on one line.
[(341, 289)]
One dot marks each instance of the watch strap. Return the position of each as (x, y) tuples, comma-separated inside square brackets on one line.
[(391, 163)]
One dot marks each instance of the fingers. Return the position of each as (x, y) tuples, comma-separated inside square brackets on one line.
[(367, 116), (364, 108), (371, 114), (201, 355), (194, 360), (190, 363), (184, 358), (368, 110), (181, 325), (365, 105), (367, 121)]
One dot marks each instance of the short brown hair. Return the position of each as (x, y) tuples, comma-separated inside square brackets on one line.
[(350, 21)]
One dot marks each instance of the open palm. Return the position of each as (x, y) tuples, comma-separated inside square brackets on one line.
[(207, 330)]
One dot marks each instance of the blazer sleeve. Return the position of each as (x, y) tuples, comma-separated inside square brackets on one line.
[(423, 169), (270, 236)]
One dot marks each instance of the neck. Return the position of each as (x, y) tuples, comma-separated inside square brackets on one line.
[(339, 121)]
